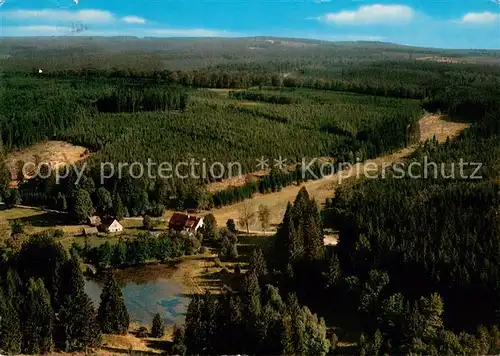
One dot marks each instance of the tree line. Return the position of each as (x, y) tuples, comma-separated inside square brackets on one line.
[(145, 247)]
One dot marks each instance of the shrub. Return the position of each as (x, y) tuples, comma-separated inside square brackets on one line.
[(148, 222), (58, 233), (142, 331), (192, 245)]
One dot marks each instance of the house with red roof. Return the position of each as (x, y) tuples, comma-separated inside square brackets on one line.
[(185, 223)]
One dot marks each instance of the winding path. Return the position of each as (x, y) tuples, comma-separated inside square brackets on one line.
[(321, 189)]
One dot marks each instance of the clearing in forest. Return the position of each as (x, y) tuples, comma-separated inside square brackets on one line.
[(430, 126), (55, 153)]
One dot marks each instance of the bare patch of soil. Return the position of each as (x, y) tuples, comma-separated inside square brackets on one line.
[(434, 125), (55, 153)]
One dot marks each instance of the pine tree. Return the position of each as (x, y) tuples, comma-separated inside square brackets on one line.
[(312, 233), (104, 202), (209, 229), (120, 211), (258, 263), (179, 342), (195, 333), (252, 311), (37, 319), (42, 257), (5, 176), (10, 326), (77, 317), (234, 329), (113, 316), (231, 225), (158, 328), (288, 245), (251, 291), (333, 272), (82, 208)]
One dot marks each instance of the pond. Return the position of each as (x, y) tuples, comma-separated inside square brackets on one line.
[(144, 297)]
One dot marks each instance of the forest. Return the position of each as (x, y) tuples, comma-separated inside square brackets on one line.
[(415, 269), (415, 266), (137, 120), (44, 306)]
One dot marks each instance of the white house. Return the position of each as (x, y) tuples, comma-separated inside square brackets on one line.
[(115, 226)]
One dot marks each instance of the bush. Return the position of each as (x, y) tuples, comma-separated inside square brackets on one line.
[(192, 245), (58, 233), (227, 234), (229, 249), (17, 227), (142, 332), (148, 222), (158, 210)]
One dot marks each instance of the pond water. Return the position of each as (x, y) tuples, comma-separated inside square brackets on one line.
[(144, 298)]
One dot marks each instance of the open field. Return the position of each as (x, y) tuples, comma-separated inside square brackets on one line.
[(37, 220), (435, 126)]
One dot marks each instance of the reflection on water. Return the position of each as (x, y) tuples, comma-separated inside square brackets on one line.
[(146, 298)]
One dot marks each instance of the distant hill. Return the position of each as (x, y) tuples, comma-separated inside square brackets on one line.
[(179, 53)]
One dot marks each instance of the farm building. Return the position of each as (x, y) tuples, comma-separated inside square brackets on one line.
[(193, 223), (185, 223), (89, 231), (94, 221), (115, 226), (178, 221)]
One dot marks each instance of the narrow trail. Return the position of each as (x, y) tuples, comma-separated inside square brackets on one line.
[(321, 189)]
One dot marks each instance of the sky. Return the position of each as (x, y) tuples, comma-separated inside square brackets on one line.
[(428, 23)]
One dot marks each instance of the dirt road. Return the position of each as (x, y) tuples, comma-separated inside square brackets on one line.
[(430, 126)]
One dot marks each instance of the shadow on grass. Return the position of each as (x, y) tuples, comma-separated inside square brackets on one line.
[(161, 345), (119, 351), (47, 220)]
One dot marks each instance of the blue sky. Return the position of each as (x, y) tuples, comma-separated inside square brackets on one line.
[(433, 23)]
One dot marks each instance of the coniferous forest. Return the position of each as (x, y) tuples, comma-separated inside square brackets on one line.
[(416, 270)]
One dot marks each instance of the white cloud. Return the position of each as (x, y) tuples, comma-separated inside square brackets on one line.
[(87, 16), (35, 30), (370, 14), (134, 20), (28, 31), (480, 18)]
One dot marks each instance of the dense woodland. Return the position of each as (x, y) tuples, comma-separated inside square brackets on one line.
[(416, 267), (43, 304), (416, 264), (123, 121)]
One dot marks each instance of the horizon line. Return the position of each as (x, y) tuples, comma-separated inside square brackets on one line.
[(250, 37)]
